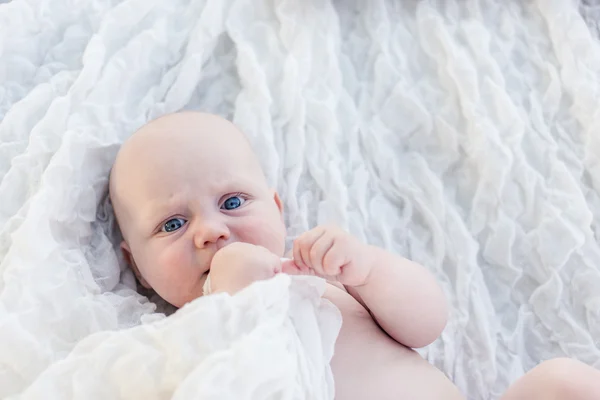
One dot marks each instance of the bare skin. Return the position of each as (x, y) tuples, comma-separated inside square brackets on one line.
[(190, 198)]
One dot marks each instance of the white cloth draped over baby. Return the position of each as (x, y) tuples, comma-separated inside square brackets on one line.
[(460, 134), (273, 340)]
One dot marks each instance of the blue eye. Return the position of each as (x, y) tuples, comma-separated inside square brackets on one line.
[(233, 202), (173, 224)]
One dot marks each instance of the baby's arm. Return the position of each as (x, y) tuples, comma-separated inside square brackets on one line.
[(402, 296)]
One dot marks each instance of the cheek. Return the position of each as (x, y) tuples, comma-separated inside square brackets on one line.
[(266, 232), (171, 258), (171, 272)]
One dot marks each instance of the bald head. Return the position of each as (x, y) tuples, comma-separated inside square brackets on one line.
[(164, 151), (182, 187)]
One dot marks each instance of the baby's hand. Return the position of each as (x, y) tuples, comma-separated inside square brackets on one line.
[(238, 265), (333, 254)]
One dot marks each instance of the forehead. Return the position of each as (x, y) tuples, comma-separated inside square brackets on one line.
[(178, 156), (172, 157)]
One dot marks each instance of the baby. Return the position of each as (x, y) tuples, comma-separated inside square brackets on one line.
[(190, 198)]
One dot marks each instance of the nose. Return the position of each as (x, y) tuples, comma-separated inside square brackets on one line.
[(211, 232)]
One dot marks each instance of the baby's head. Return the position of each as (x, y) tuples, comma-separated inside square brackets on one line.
[(182, 187)]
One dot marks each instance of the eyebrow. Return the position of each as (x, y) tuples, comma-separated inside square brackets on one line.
[(154, 211)]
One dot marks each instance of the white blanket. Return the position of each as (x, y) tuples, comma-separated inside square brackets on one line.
[(262, 343), (461, 134)]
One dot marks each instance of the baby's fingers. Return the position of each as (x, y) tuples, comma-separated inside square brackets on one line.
[(291, 268), (318, 252), (303, 244), (335, 259)]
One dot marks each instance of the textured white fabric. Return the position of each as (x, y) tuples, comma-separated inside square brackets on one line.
[(461, 134), (267, 342)]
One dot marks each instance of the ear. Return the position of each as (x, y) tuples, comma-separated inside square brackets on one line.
[(129, 258), (278, 202)]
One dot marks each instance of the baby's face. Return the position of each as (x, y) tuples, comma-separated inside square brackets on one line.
[(183, 187)]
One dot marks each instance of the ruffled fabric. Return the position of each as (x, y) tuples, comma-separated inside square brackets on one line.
[(460, 134), (273, 340)]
